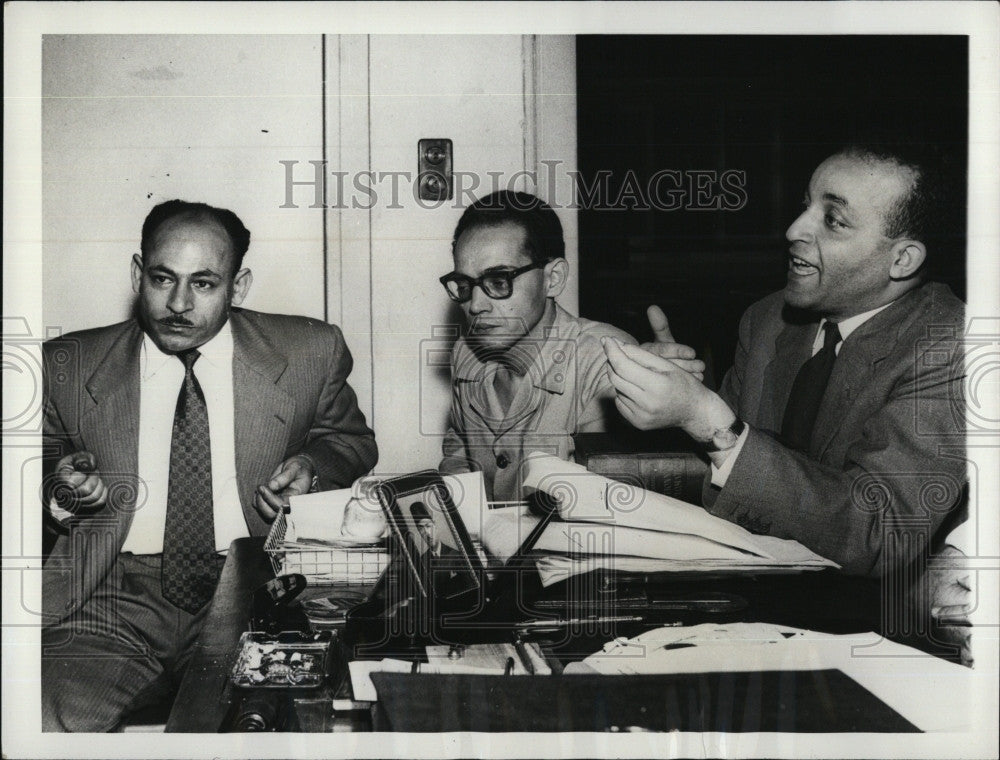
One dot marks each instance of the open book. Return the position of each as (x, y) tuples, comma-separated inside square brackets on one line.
[(605, 523)]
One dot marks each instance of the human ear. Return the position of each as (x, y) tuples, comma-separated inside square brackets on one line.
[(136, 272), (241, 284), (556, 275), (907, 258)]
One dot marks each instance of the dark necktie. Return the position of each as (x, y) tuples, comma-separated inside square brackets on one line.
[(189, 566), (807, 392)]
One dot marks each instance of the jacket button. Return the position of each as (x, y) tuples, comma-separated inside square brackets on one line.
[(502, 461)]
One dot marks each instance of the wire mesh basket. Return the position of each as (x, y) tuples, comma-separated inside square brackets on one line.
[(355, 565)]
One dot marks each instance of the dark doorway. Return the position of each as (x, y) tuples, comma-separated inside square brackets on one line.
[(695, 153)]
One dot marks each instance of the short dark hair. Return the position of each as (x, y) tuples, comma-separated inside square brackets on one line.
[(239, 235), (542, 231), (918, 214)]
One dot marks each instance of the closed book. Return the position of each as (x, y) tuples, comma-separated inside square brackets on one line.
[(665, 462)]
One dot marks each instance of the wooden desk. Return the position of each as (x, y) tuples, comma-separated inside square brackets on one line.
[(205, 694), (819, 601)]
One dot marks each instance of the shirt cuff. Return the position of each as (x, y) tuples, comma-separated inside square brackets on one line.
[(721, 474)]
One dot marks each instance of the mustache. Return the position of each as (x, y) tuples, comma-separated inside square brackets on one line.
[(176, 321)]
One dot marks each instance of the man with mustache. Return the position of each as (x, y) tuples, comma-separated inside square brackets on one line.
[(528, 375), (841, 423), (167, 437)]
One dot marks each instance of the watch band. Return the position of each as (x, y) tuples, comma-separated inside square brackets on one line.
[(724, 439)]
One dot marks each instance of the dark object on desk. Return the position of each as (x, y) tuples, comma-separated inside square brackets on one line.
[(623, 594), (662, 461), (288, 659), (260, 710), (791, 701), (270, 610), (436, 587), (824, 601), (330, 612), (430, 540)]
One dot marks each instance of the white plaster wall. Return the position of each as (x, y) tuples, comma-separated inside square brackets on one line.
[(132, 120), (129, 121), (472, 90)]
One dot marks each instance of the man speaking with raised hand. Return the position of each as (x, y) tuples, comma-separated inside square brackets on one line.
[(841, 422)]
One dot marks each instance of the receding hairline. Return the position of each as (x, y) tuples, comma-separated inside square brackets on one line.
[(481, 223), (909, 173), (194, 218)]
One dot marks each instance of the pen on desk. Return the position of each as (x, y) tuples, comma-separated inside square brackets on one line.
[(505, 504), (522, 652), (509, 667), (566, 622)]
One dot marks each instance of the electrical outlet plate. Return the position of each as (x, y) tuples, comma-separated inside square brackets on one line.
[(434, 169)]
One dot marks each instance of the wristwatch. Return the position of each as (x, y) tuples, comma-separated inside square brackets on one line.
[(725, 438)]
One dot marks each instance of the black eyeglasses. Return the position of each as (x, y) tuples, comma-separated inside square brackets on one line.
[(496, 283)]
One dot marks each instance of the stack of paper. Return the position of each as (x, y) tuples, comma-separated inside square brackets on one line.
[(605, 523), (333, 537)]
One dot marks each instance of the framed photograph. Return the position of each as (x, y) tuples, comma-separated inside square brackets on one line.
[(429, 537)]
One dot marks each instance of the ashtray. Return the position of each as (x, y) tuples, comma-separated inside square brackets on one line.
[(290, 659)]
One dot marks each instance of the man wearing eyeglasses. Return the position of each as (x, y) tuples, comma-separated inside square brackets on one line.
[(527, 375)]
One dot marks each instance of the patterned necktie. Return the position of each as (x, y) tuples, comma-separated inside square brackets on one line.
[(807, 392), (189, 568)]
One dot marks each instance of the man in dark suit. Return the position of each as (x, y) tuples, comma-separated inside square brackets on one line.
[(841, 423), (167, 436)]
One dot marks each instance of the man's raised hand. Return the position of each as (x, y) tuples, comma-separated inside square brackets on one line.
[(653, 392), (666, 347)]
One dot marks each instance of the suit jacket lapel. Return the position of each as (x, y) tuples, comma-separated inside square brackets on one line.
[(109, 422), (109, 429), (263, 411), (792, 348), (854, 369)]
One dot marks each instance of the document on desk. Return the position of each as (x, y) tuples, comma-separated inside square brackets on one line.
[(583, 496), (553, 568), (317, 515), (609, 524)]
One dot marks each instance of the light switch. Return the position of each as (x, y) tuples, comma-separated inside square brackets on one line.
[(434, 169)]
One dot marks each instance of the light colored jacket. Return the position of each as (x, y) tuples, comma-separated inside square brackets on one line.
[(566, 391)]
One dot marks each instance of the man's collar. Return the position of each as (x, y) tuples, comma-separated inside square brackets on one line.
[(549, 370), (218, 351), (849, 325)]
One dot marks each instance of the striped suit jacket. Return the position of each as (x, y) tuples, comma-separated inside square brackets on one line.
[(291, 396)]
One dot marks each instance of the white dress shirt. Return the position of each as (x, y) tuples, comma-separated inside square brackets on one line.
[(160, 379), (721, 474)]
